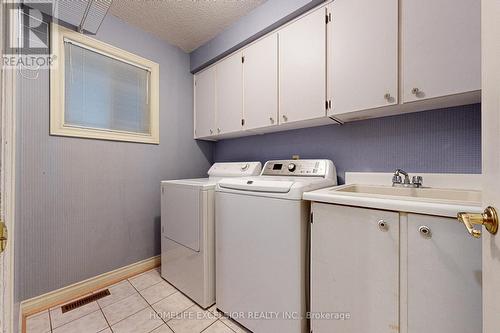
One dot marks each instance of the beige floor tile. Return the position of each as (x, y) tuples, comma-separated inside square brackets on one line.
[(107, 330), (147, 279), (172, 305), (218, 327), (142, 322), (193, 320), (163, 329), (157, 292), (213, 308), (58, 318), (234, 325), (38, 323), (124, 308), (118, 292), (91, 323)]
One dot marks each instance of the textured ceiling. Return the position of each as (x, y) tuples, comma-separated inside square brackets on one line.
[(185, 23)]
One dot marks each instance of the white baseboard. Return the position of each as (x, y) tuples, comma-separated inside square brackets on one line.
[(79, 289)]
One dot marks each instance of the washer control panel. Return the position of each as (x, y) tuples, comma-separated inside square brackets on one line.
[(300, 168)]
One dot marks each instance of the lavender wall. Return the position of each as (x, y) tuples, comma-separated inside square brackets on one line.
[(85, 207), (263, 19), (441, 141)]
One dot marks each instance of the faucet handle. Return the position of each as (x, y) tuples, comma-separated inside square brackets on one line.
[(417, 180), (396, 179)]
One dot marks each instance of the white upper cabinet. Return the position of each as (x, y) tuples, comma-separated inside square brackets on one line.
[(441, 50), (347, 60), (260, 83), (229, 94), (302, 57), (362, 54), (204, 103)]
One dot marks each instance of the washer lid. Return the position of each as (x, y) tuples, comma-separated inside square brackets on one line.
[(199, 183), (257, 185)]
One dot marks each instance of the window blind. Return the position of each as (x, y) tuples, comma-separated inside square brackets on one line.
[(104, 92)]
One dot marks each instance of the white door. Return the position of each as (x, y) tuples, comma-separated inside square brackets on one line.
[(229, 94), (204, 103), (354, 269), (302, 65), (363, 55), (260, 83), (441, 48), (7, 167), (491, 159), (444, 276)]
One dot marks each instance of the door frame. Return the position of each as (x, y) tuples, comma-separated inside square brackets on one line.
[(7, 166)]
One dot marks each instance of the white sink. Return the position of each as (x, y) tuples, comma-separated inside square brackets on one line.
[(434, 201), (464, 196)]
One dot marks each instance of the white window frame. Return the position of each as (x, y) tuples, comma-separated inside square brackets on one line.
[(57, 89)]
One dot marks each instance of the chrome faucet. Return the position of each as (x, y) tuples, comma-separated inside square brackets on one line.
[(416, 181)]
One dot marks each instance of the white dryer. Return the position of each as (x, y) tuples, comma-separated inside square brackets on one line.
[(187, 230), (262, 227)]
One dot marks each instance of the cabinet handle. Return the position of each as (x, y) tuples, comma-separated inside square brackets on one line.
[(271, 119), (382, 225), (388, 97), (415, 91), (211, 131), (425, 231), (218, 130), (285, 118)]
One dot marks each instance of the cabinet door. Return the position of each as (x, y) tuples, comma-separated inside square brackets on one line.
[(354, 269), (363, 54), (441, 48), (444, 277), (303, 68), (260, 83), (229, 94), (204, 103)]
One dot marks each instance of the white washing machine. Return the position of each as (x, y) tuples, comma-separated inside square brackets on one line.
[(187, 230), (262, 227)]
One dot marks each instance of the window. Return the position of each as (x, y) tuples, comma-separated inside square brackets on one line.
[(99, 91)]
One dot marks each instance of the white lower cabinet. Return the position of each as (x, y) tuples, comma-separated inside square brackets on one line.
[(354, 269), (444, 277), (381, 271)]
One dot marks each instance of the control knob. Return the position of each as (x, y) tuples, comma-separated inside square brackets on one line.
[(292, 167)]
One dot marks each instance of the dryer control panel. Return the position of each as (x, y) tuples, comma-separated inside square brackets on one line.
[(300, 168), (235, 169)]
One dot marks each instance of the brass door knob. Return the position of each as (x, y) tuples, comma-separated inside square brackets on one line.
[(3, 236), (489, 218)]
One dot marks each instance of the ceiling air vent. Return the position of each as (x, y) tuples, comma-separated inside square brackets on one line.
[(86, 15)]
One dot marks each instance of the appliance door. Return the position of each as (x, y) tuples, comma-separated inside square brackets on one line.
[(181, 214), (261, 262)]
